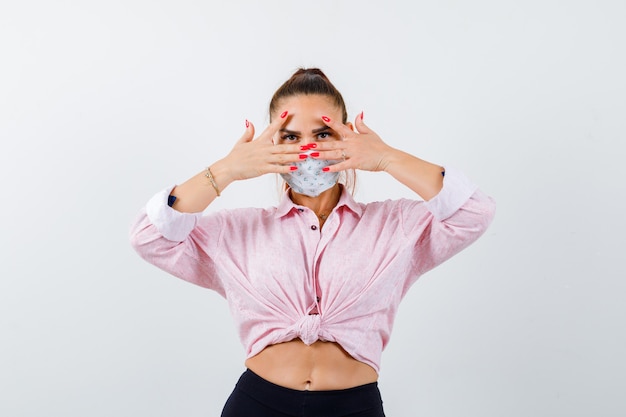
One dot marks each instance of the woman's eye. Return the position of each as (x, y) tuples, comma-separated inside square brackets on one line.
[(324, 135), (289, 138)]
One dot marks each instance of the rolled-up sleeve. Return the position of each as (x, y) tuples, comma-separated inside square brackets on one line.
[(448, 223), (457, 189), (182, 244), (172, 224)]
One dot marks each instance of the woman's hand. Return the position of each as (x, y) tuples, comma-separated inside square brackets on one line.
[(248, 159), (365, 150), (362, 149), (251, 158)]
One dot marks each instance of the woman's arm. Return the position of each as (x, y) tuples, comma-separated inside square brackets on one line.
[(456, 214), (248, 159), (178, 238), (424, 178), (364, 149), (195, 194)]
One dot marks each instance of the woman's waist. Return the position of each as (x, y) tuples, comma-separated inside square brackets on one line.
[(320, 366)]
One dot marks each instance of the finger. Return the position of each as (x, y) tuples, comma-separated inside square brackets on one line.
[(334, 154), (281, 169), (360, 124), (284, 158), (289, 148), (277, 123), (248, 135), (340, 166), (337, 126)]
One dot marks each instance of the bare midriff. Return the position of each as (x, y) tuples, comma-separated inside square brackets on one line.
[(321, 366)]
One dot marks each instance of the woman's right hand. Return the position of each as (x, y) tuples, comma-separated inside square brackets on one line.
[(251, 158)]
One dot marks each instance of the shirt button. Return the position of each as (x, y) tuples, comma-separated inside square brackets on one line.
[(314, 227)]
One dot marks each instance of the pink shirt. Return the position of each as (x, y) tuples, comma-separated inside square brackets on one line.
[(284, 278)]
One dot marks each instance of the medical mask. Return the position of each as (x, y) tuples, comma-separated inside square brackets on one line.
[(309, 179)]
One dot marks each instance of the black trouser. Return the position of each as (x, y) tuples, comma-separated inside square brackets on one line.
[(253, 396)]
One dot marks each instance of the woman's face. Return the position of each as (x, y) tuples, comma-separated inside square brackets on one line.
[(304, 123)]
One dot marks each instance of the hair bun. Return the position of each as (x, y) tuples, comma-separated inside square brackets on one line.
[(310, 71), (309, 81)]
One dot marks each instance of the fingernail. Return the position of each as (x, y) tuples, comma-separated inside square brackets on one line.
[(284, 114), (325, 169), (247, 124), (315, 154), (312, 145), (302, 156), (326, 119), (362, 115), (293, 168), (304, 147)]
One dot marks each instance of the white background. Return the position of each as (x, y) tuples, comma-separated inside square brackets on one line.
[(103, 103)]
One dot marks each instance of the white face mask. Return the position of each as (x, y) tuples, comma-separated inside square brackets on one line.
[(309, 179)]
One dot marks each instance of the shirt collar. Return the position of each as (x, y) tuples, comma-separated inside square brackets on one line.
[(286, 205)]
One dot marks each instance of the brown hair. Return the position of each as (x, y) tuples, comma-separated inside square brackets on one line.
[(312, 81), (309, 81)]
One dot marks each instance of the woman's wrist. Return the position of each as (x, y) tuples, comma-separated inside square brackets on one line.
[(195, 194), (221, 175), (393, 158), (421, 176)]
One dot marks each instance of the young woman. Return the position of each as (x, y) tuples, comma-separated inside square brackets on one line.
[(314, 283)]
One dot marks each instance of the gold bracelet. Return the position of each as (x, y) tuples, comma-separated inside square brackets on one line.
[(209, 175)]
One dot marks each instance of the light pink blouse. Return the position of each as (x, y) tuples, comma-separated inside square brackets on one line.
[(284, 278)]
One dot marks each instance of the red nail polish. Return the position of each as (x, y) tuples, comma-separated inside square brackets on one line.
[(293, 168), (362, 115), (304, 147), (315, 154), (312, 145), (247, 124), (325, 169), (326, 119), (303, 156), (284, 114)]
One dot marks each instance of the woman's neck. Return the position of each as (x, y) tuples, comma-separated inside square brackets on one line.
[(323, 204)]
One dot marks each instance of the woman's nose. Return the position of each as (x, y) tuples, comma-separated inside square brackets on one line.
[(308, 143)]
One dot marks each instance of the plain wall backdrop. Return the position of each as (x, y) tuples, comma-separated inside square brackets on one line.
[(103, 103)]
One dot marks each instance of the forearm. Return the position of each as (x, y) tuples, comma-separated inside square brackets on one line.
[(195, 194), (422, 177)]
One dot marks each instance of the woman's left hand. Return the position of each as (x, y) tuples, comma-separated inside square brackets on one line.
[(362, 149)]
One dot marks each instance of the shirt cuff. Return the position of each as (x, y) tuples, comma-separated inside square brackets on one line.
[(457, 189), (172, 224)]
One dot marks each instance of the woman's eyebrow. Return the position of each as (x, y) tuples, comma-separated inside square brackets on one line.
[(297, 132), (289, 132), (320, 130)]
